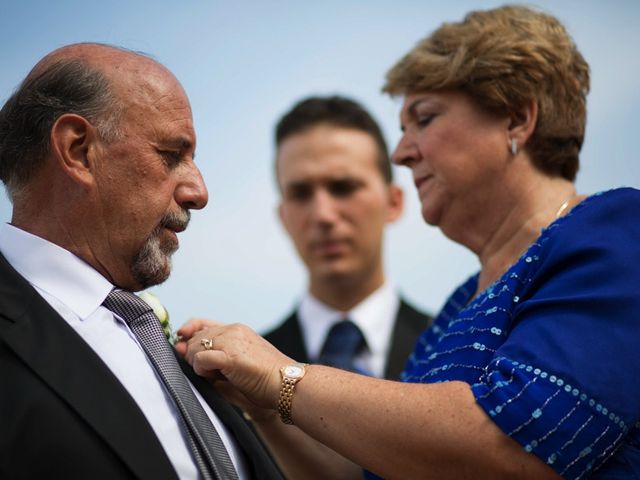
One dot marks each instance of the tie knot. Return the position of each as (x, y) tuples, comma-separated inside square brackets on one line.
[(344, 337), (127, 305), (344, 341)]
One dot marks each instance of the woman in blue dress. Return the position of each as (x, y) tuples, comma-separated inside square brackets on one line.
[(531, 369)]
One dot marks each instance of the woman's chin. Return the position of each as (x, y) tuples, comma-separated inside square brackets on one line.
[(431, 216)]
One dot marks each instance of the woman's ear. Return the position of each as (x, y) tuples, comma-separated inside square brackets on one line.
[(72, 139), (523, 121)]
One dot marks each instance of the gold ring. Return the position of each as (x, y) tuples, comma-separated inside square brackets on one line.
[(207, 343)]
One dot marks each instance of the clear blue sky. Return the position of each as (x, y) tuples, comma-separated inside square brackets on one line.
[(243, 63)]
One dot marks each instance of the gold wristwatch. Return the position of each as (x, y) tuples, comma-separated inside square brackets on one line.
[(291, 374)]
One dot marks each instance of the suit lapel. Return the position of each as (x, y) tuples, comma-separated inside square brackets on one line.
[(60, 358), (288, 339)]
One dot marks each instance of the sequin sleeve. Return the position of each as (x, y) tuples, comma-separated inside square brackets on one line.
[(565, 383)]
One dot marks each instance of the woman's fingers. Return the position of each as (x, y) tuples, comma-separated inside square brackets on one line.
[(241, 356), (209, 363), (193, 325)]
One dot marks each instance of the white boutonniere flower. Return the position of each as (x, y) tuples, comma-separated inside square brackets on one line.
[(161, 313)]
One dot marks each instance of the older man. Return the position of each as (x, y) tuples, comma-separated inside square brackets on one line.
[(97, 153), (337, 197)]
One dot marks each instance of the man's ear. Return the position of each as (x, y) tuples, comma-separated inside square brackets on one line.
[(396, 203), (281, 215), (522, 124), (73, 140)]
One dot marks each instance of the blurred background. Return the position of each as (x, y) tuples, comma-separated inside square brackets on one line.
[(244, 63)]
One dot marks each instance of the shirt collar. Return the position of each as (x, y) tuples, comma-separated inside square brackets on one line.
[(374, 316), (54, 270)]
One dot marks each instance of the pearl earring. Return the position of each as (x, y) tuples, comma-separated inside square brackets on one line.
[(514, 146)]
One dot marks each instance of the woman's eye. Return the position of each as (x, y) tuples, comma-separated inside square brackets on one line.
[(424, 120)]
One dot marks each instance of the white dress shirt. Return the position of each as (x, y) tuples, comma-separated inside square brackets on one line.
[(76, 291), (374, 316)]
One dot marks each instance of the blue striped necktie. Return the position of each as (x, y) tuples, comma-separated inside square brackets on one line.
[(344, 342)]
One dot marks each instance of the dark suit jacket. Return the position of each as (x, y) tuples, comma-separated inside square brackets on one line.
[(408, 325), (63, 414)]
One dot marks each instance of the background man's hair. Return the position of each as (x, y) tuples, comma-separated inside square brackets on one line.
[(335, 111)]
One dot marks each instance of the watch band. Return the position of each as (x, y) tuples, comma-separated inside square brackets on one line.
[(291, 374)]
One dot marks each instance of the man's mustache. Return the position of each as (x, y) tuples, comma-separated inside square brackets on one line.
[(177, 221)]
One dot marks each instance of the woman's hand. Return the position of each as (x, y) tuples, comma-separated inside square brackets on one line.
[(238, 355), (188, 330)]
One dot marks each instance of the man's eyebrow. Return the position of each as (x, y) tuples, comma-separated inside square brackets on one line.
[(344, 178), (297, 184), (179, 142)]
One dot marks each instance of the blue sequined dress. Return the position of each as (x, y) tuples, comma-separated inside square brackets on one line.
[(552, 349)]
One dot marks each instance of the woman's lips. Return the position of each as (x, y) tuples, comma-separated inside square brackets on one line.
[(421, 181)]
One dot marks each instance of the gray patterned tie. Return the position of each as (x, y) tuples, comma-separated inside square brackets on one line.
[(209, 453)]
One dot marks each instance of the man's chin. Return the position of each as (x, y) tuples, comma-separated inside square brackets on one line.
[(336, 271), (147, 279), (151, 267)]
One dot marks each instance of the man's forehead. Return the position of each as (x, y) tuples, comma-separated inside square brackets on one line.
[(133, 71), (154, 95), (336, 157), (322, 172), (326, 168), (342, 146)]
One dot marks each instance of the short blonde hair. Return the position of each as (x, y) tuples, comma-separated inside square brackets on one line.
[(502, 58)]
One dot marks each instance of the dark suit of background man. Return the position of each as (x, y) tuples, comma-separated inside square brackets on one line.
[(96, 151), (337, 196)]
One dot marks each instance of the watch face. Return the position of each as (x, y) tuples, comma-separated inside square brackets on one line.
[(293, 371)]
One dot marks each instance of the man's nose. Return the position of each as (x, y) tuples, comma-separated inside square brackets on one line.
[(324, 208), (191, 191)]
